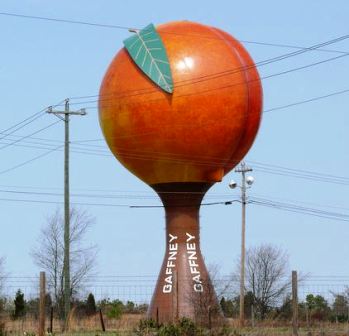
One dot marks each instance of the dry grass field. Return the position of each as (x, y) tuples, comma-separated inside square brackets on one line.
[(128, 323)]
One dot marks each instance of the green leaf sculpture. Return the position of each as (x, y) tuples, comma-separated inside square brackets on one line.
[(148, 52)]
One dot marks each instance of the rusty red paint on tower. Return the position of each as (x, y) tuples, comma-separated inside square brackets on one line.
[(183, 142)]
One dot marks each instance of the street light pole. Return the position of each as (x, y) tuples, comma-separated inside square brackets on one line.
[(245, 182)]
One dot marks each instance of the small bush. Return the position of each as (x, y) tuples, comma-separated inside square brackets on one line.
[(169, 330), (147, 324), (187, 327), (2, 329), (147, 327), (115, 312)]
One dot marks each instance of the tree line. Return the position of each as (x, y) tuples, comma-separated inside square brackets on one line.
[(313, 309), (20, 307)]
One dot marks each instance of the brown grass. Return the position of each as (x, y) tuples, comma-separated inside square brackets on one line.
[(128, 322), (92, 323)]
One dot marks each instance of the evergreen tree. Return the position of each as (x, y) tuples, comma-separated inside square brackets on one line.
[(90, 305), (318, 307), (228, 307), (19, 305)]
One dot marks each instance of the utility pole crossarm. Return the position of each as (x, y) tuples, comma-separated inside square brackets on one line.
[(243, 168), (79, 112)]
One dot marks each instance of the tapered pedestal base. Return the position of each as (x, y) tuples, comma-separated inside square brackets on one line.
[(184, 288)]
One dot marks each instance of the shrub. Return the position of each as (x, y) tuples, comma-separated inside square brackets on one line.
[(115, 310), (90, 307), (187, 327), (146, 327), (19, 305), (169, 330), (2, 329)]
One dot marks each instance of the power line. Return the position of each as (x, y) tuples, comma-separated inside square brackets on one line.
[(31, 160), (290, 46), (299, 207), (21, 125), (59, 202), (307, 100), (299, 202), (43, 18), (212, 161), (302, 210), (199, 79), (258, 201), (103, 204), (335, 93), (27, 136), (101, 25), (122, 194), (300, 170), (151, 91), (302, 176), (24, 122)]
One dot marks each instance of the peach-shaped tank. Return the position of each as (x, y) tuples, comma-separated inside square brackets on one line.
[(182, 142)]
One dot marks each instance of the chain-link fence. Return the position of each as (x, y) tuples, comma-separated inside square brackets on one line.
[(118, 303)]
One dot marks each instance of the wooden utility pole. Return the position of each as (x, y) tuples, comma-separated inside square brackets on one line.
[(243, 169), (66, 262), (42, 315), (294, 304)]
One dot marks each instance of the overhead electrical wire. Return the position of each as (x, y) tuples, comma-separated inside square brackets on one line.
[(145, 91), (266, 168), (16, 127), (113, 193), (96, 152), (298, 202), (285, 56), (151, 91), (258, 166), (101, 25), (29, 161), (60, 202), (13, 129), (306, 173), (212, 161), (289, 207), (300, 209), (29, 135)]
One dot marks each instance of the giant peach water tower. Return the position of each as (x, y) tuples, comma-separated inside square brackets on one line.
[(180, 106)]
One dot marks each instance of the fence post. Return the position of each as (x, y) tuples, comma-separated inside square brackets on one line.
[(294, 304), (348, 322), (101, 320), (51, 320), (42, 307), (252, 316)]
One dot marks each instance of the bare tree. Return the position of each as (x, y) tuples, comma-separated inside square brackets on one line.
[(49, 252), (267, 270), (2, 273), (207, 310)]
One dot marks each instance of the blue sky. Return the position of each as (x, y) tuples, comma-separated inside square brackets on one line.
[(44, 62)]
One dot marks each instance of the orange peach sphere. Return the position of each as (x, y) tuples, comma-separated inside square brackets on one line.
[(200, 131)]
